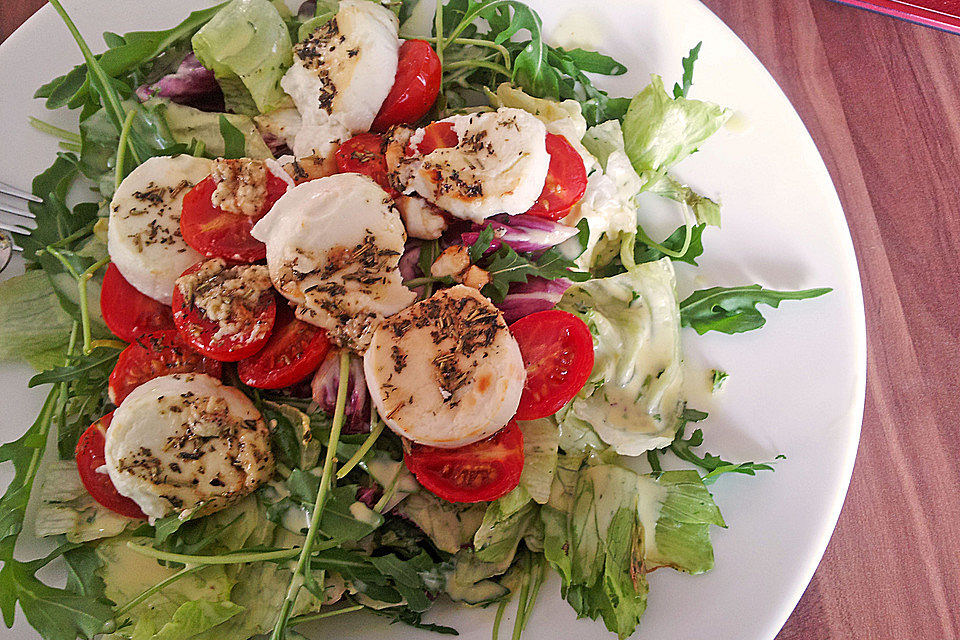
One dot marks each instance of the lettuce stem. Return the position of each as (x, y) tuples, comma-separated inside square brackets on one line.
[(501, 608), (155, 588), (82, 281), (122, 148), (326, 483), (376, 428), (486, 64), (507, 62), (53, 130), (389, 491), (311, 617), (227, 558)]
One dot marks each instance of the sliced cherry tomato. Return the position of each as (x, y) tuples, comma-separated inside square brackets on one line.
[(363, 154), (557, 351), (201, 332), (478, 472), (437, 135), (566, 180), (156, 354), (90, 457), (294, 351), (221, 234), (127, 312), (415, 87)]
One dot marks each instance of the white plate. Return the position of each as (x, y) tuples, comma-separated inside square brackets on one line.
[(796, 386)]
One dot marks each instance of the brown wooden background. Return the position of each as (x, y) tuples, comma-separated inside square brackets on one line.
[(882, 100)]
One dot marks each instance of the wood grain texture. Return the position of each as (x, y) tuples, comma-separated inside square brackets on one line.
[(882, 101)]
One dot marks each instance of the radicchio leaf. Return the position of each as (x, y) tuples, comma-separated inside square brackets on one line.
[(524, 233), (537, 294), (191, 84), (326, 382)]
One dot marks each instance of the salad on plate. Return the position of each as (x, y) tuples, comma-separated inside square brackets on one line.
[(359, 309)]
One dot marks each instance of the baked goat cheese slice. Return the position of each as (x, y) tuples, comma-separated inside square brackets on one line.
[(143, 237), (341, 74), (185, 443), (445, 372), (333, 249), (499, 165)]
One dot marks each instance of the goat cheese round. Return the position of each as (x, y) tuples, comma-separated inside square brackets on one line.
[(341, 74), (498, 166), (185, 443), (333, 248), (445, 372), (143, 237)]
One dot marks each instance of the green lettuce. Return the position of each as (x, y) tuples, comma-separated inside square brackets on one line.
[(67, 508), (632, 399), (248, 47), (33, 325), (681, 536), (606, 527), (660, 130), (187, 124), (541, 439)]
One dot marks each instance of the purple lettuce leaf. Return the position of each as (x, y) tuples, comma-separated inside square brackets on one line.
[(191, 84), (536, 294), (326, 382), (524, 233)]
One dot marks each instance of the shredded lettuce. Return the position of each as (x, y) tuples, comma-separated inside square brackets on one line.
[(248, 47), (660, 130), (633, 396)]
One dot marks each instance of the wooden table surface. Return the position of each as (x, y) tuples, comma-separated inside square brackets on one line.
[(882, 101)]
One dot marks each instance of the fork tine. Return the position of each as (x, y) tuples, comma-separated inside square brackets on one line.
[(12, 228), (17, 212), (18, 193)]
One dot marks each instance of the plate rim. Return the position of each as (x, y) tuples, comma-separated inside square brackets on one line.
[(853, 418)]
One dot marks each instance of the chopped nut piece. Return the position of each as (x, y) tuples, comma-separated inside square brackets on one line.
[(311, 168), (228, 296), (453, 262), (241, 185), (421, 219), (476, 278)]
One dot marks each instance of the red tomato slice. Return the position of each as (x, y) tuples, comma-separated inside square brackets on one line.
[(363, 154), (557, 350), (220, 234), (478, 472), (438, 135), (156, 354), (128, 313), (200, 331), (415, 87), (90, 457), (566, 180), (294, 351)]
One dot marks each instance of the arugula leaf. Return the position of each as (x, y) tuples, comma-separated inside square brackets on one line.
[(734, 309), (57, 614), (506, 266), (414, 619), (133, 52), (234, 142), (688, 62), (718, 379), (713, 465), (82, 577), (644, 253), (98, 360), (481, 245)]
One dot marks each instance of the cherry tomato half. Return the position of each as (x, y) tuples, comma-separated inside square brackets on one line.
[(156, 354), (128, 313), (201, 332), (415, 87), (557, 350), (478, 472), (221, 234), (90, 457), (437, 135), (566, 180), (294, 351), (363, 154)]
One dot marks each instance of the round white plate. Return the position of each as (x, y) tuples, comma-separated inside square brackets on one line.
[(796, 386)]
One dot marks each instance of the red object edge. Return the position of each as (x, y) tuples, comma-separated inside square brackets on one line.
[(948, 20)]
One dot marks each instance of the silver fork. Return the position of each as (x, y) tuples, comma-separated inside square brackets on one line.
[(7, 246)]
